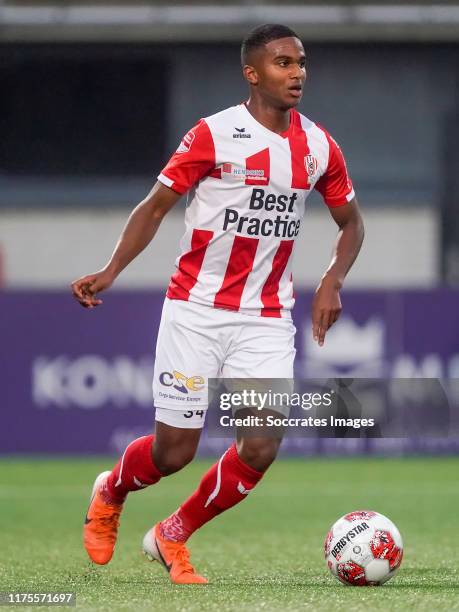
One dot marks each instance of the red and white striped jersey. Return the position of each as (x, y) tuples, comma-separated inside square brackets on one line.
[(247, 190)]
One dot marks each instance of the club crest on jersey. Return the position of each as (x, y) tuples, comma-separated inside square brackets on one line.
[(311, 164), (186, 143)]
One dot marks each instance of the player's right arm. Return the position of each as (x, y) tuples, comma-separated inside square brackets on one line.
[(142, 225), (193, 159)]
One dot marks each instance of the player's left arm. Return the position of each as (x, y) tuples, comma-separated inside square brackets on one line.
[(326, 305)]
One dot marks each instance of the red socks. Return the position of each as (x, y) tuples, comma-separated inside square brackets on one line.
[(226, 484), (134, 471)]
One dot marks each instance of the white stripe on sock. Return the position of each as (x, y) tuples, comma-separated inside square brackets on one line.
[(216, 491), (118, 482)]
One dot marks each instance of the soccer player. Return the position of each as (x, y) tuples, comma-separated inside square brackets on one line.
[(247, 171)]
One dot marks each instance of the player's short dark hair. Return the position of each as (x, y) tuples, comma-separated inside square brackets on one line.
[(262, 35)]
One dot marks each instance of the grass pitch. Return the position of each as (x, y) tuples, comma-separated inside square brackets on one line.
[(263, 555)]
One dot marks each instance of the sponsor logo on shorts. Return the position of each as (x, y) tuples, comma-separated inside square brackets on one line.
[(180, 382)]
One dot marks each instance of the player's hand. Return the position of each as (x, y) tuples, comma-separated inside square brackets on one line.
[(326, 308), (86, 288)]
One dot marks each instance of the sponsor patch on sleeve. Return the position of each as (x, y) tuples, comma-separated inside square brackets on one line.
[(186, 143)]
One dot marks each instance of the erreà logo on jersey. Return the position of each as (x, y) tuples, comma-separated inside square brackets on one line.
[(186, 143), (241, 133), (311, 164)]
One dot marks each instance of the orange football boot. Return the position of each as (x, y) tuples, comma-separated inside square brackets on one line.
[(101, 525), (174, 556)]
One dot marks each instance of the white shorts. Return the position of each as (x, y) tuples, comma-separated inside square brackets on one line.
[(198, 342)]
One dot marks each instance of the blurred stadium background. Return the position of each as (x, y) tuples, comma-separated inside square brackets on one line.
[(95, 97)]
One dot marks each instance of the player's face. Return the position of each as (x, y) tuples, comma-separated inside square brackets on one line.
[(280, 72)]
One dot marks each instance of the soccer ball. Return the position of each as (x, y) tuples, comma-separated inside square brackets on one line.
[(363, 548)]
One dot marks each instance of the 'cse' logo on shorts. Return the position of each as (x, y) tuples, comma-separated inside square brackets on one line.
[(180, 382)]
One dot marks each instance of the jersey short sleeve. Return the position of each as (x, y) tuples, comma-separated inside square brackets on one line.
[(334, 185), (194, 159)]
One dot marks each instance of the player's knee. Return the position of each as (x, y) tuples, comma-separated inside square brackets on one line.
[(173, 460), (173, 447), (258, 453)]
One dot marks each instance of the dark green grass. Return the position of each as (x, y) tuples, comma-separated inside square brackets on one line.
[(265, 554)]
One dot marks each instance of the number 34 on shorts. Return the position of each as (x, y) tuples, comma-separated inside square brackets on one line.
[(188, 419), (189, 414)]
